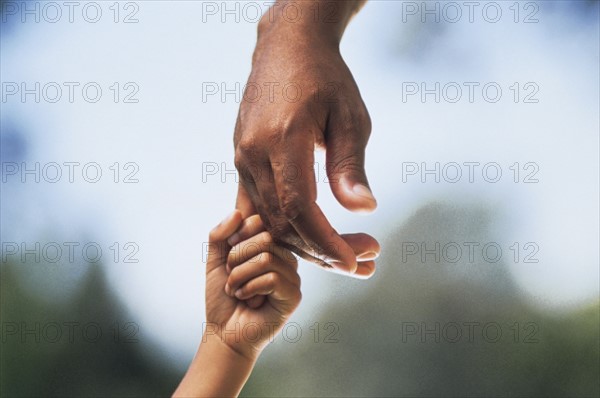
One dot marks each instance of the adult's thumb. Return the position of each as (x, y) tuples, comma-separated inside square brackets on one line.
[(346, 173)]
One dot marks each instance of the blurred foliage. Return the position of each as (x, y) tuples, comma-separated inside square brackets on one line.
[(106, 366), (372, 356)]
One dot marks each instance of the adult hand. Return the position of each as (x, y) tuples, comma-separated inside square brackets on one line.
[(300, 97)]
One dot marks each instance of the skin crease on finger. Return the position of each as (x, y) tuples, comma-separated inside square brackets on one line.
[(360, 243), (297, 195), (275, 259), (276, 130), (363, 245), (250, 227), (307, 53), (279, 225)]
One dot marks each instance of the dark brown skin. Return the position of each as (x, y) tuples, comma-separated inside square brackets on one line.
[(278, 131)]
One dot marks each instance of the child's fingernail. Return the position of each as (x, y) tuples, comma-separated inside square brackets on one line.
[(234, 239), (227, 289), (367, 256), (238, 293)]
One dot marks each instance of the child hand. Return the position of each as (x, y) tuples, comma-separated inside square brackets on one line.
[(251, 289)]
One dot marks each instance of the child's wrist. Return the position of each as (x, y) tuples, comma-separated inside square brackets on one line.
[(217, 370), (226, 346)]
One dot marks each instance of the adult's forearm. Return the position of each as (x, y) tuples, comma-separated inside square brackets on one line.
[(322, 19)]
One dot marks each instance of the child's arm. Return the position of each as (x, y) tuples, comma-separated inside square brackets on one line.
[(254, 284)]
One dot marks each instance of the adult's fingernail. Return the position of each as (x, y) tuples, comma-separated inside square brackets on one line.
[(367, 256), (343, 266), (238, 293), (234, 239), (227, 289), (364, 192)]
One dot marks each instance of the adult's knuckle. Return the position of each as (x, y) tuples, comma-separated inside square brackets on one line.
[(239, 160), (346, 163), (248, 145), (363, 121), (355, 125), (292, 205)]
